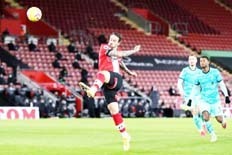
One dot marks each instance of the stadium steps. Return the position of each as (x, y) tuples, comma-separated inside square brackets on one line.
[(126, 20), (188, 49), (223, 5), (210, 13), (13, 3), (173, 13), (133, 24), (119, 4)]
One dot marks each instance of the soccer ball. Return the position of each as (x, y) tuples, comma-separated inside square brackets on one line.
[(34, 14)]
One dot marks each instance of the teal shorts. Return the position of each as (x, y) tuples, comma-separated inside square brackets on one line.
[(213, 109)]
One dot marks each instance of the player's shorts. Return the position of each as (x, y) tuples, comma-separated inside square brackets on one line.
[(110, 89), (213, 109)]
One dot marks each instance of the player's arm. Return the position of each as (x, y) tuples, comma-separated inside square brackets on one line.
[(123, 67), (123, 53), (195, 90), (224, 90), (180, 86), (222, 86)]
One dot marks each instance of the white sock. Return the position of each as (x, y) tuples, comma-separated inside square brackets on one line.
[(212, 133), (124, 134)]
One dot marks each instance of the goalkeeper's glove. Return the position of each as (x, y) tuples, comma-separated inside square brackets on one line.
[(227, 100), (189, 103)]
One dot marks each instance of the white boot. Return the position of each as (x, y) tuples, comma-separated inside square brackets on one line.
[(213, 137), (126, 141)]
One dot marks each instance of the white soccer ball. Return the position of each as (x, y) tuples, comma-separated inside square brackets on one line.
[(34, 14)]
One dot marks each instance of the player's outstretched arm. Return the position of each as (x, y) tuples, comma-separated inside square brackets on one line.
[(194, 91), (180, 86), (124, 53), (224, 90), (123, 67)]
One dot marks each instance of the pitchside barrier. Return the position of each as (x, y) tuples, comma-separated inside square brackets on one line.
[(22, 113), (25, 113)]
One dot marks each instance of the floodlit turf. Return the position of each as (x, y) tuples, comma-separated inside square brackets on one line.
[(150, 136)]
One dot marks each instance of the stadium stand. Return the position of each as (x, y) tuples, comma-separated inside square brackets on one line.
[(174, 14), (214, 15), (227, 2), (72, 15)]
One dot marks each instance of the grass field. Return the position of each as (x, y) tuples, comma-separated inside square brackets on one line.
[(99, 137)]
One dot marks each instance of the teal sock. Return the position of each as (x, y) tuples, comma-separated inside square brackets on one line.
[(209, 127), (198, 122)]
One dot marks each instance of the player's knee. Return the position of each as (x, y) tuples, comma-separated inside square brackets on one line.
[(205, 115), (106, 74), (113, 108), (206, 118)]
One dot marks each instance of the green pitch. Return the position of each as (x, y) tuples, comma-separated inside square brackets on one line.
[(99, 137)]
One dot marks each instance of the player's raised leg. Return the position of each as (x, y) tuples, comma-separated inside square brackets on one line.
[(101, 78)]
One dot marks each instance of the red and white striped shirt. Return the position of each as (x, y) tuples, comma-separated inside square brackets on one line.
[(106, 62)]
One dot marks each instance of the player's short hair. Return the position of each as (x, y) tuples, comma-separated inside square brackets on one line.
[(205, 57), (118, 35), (192, 55)]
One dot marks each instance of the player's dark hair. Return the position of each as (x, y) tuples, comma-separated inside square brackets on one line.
[(205, 57), (118, 35)]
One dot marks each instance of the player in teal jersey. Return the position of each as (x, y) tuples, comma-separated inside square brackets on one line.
[(186, 82), (208, 81)]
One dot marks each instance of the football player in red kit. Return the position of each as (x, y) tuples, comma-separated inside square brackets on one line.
[(110, 80)]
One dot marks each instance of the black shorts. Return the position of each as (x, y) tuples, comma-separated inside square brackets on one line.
[(110, 89)]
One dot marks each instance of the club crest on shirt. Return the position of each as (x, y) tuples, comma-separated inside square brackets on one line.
[(106, 47)]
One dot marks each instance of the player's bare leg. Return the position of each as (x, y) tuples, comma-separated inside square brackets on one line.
[(119, 123), (221, 120), (204, 128)]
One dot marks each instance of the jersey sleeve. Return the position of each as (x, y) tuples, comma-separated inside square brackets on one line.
[(218, 76), (182, 74), (104, 49)]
